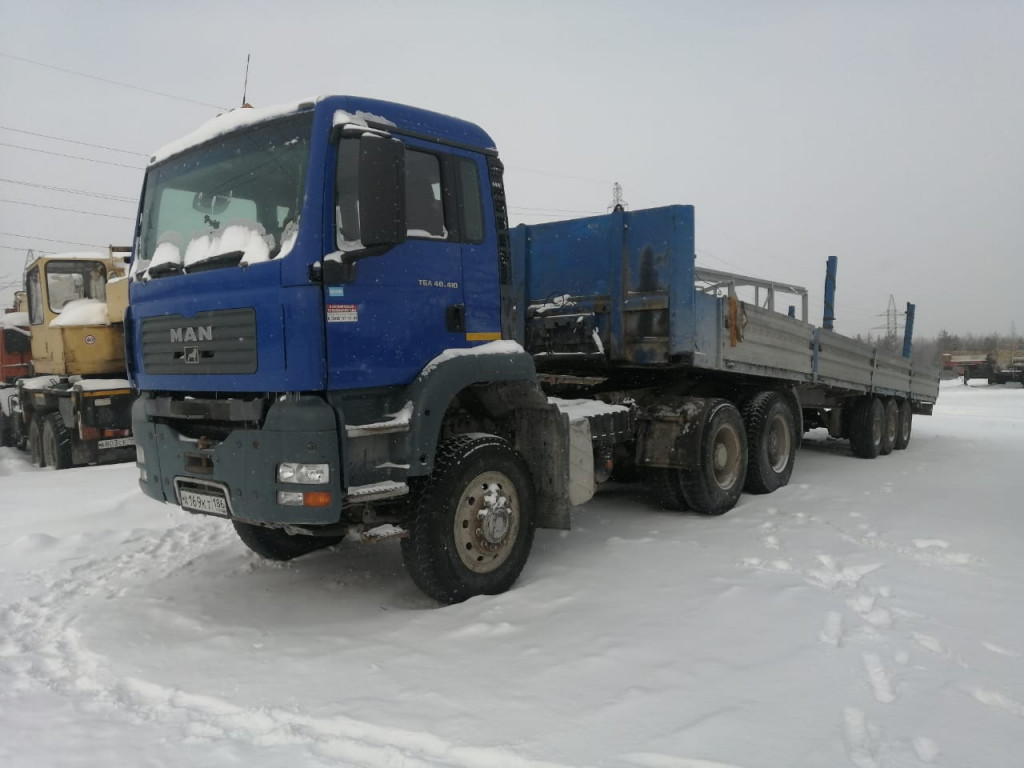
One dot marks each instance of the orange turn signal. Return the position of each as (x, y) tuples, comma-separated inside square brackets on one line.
[(316, 499)]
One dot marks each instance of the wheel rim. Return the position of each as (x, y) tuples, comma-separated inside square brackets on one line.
[(778, 443), (487, 522), (725, 457)]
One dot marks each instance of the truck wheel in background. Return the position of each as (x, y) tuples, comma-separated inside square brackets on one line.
[(771, 442), (6, 436), (906, 417), (867, 422), (890, 425), (714, 487), (278, 544), (56, 442), (471, 522), (35, 442)]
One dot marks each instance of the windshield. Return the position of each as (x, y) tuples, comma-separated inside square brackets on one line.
[(233, 201)]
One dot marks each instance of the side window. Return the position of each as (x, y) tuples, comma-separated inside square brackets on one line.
[(424, 212), (472, 206), (35, 298)]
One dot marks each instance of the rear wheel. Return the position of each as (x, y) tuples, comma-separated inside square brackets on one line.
[(890, 426), (866, 426), (906, 416), (714, 486), (666, 487), (35, 442), (56, 443), (472, 523), (278, 544), (771, 442)]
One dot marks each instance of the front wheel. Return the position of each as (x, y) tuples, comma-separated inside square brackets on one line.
[(472, 522), (278, 544)]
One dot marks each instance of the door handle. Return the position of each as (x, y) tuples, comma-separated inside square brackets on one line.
[(455, 318)]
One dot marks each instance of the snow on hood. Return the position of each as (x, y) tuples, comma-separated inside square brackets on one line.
[(82, 312), (225, 123)]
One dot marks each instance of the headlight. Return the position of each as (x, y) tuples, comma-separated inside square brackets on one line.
[(304, 474)]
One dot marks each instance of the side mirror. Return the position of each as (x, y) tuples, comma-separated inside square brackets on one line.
[(381, 191), (210, 204)]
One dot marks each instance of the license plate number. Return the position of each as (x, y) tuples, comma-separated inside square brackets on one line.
[(205, 503), (115, 442)]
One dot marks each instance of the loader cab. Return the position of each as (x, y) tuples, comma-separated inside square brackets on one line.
[(72, 333)]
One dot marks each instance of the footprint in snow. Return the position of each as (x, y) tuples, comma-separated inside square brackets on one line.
[(998, 700), (999, 649), (832, 631), (879, 678), (861, 738), (830, 575)]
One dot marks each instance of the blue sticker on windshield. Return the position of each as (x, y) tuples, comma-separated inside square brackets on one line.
[(335, 290)]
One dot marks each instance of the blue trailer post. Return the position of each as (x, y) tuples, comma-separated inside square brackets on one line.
[(831, 267), (908, 330)]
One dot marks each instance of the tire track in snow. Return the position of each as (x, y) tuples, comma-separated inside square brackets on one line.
[(42, 647)]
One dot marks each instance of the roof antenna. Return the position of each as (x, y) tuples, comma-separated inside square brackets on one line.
[(245, 88)]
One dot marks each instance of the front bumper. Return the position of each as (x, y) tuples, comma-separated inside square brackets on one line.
[(244, 464)]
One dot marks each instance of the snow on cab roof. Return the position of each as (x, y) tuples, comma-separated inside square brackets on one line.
[(226, 122), (402, 117)]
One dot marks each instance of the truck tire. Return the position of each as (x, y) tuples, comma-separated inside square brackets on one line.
[(471, 522), (714, 486), (906, 417), (867, 422), (890, 425), (666, 487), (6, 433), (278, 544), (35, 442), (56, 442), (771, 442)]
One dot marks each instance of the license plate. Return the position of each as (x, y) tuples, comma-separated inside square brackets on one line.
[(204, 503), (115, 442)]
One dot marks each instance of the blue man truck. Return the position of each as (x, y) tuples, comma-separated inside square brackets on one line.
[(332, 328)]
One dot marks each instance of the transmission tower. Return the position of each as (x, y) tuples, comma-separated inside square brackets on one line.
[(891, 324), (618, 204)]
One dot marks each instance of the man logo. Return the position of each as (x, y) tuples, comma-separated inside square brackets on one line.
[(191, 356), (200, 333)]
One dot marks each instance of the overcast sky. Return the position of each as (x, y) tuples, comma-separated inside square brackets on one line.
[(890, 134)]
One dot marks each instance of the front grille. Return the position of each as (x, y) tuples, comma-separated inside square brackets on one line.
[(219, 341)]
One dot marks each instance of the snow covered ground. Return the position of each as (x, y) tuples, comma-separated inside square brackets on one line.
[(869, 614)]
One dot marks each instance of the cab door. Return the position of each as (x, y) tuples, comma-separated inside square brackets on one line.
[(399, 307)]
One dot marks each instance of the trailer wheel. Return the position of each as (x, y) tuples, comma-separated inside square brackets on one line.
[(867, 422), (6, 432), (891, 425), (35, 442), (714, 487), (56, 442), (771, 442), (906, 416), (278, 544), (471, 524)]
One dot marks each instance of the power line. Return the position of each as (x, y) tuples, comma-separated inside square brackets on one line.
[(73, 141), (101, 195), (111, 82), (73, 157), (69, 210), (51, 240)]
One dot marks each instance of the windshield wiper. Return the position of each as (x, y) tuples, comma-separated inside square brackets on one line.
[(228, 259), (164, 268)]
